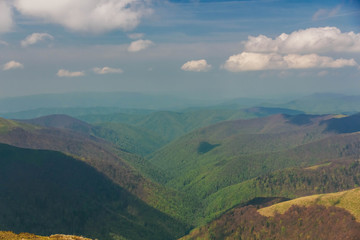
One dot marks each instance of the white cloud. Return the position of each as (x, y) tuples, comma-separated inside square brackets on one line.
[(66, 73), (326, 13), (135, 35), (87, 15), (247, 61), (3, 43), (196, 66), (311, 40), (139, 45), (12, 65), (34, 38), (6, 18), (315, 61), (106, 70)]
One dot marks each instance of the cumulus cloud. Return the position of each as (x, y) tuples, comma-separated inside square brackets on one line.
[(66, 73), (87, 15), (135, 35), (196, 66), (6, 18), (326, 13), (248, 61), (35, 38), (12, 65), (139, 45), (311, 40), (106, 70)]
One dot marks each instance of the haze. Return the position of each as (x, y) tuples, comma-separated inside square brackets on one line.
[(198, 49)]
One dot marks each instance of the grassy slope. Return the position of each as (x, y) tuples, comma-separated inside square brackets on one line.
[(348, 200), (27, 236), (47, 192)]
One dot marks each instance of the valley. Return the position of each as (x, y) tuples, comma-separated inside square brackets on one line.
[(158, 175)]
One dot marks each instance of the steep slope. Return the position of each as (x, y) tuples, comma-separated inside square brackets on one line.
[(126, 137), (122, 168), (47, 192)]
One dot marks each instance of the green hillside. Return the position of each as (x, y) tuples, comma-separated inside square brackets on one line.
[(238, 151), (171, 125), (216, 163), (125, 169), (290, 183), (126, 137), (46, 192), (129, 138)]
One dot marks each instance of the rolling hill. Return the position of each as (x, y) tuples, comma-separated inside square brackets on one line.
[(216, 163), (170, 125), (46, 192)]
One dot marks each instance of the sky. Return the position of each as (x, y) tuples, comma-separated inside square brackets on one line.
[(191, 48)]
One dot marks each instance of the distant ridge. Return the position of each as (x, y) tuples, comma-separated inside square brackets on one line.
[(61, 121), (96, 99)]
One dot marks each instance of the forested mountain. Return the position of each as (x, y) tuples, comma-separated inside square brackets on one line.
[(47, 192), (207, 173)]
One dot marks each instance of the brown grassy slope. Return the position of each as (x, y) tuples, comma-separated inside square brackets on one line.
[(348, 200), (297, 223), (29, 236)]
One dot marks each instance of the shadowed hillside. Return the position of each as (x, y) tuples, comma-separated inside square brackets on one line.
[(46, 192), (122, 168)]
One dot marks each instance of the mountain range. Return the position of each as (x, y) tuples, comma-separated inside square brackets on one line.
[(159, 174)]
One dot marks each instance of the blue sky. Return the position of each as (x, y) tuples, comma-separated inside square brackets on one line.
[(202, 49)]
